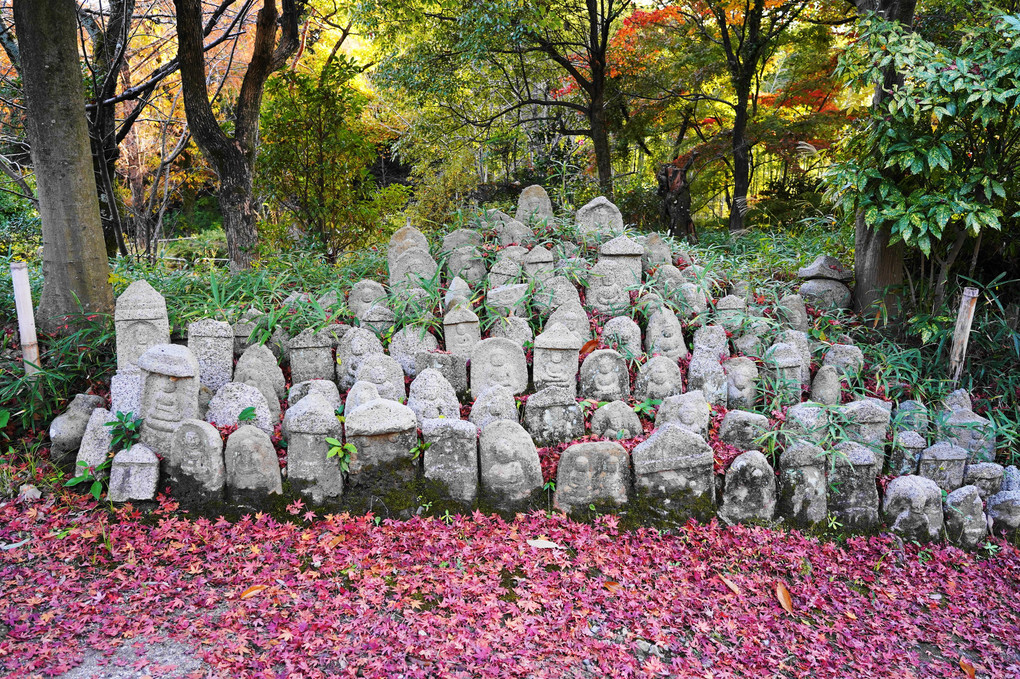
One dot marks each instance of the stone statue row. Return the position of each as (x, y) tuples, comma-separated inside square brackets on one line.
[(182, 392)]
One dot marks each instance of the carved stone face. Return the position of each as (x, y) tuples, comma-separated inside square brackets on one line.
[(668, 339), (365, 297), (247, 472), (143, 334), (607, 290), (659, 375), (461, 336), (164, 410), (499, 369)]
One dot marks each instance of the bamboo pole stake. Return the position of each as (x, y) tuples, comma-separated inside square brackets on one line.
[(961, 336), (26, 317)]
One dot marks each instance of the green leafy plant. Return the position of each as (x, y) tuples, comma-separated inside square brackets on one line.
[(126, 431), (419, 449), (343, 451), (247, 415), (95, 475)]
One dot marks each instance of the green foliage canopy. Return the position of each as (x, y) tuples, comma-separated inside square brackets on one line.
[(316, 155), (937, 158)]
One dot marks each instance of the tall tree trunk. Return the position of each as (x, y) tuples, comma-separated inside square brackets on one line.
[(741, 160), (238, 207), (878, 266), (109, 49), (233, 158), (75, 267), (600, 139)]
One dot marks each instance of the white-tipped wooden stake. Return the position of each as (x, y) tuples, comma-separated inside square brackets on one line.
[(26, 317), (961, 336)]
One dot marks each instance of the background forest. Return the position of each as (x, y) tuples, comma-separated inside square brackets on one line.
[(246, 135)]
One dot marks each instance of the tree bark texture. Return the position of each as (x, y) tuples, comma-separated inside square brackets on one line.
[(75, 266), (741, 159), (878, 266), (233, 158)]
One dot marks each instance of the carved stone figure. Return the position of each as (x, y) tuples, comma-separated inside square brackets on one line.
[(741, 382), (964, 517), (556, 356), (624, 335), (827, 386), (552, 415), (574, 318), (513, 328), (461, 331), (913, 508), (412, 267), (432, 396), (658, 378), (140, 321), (232, 399), (607, 288), (986, 476), (689, 410), (311, 356), (510, 469), (674, 467), (665, 336), (385, 373), (495, 403), (508, 299), (538, 263), (906, 453), (969, 431), (169, 395), (354, 346), (794, 312), (134, 474), (253, 468), (592, 473), (626, 254), (212, 343), (452, 456), (404, 239), (466, 263), (854, 499), (741, 429), (497, 361), (705, 373), (803, 492), (599, 215), (944, 464), (364, 295), (407, 343), (783, 361), (453, 368), (617, 421), (195, 465), (604, 376), (384, 432), (533, 205), (360, 394), (259, 359), (309, 467), (750, 490)]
